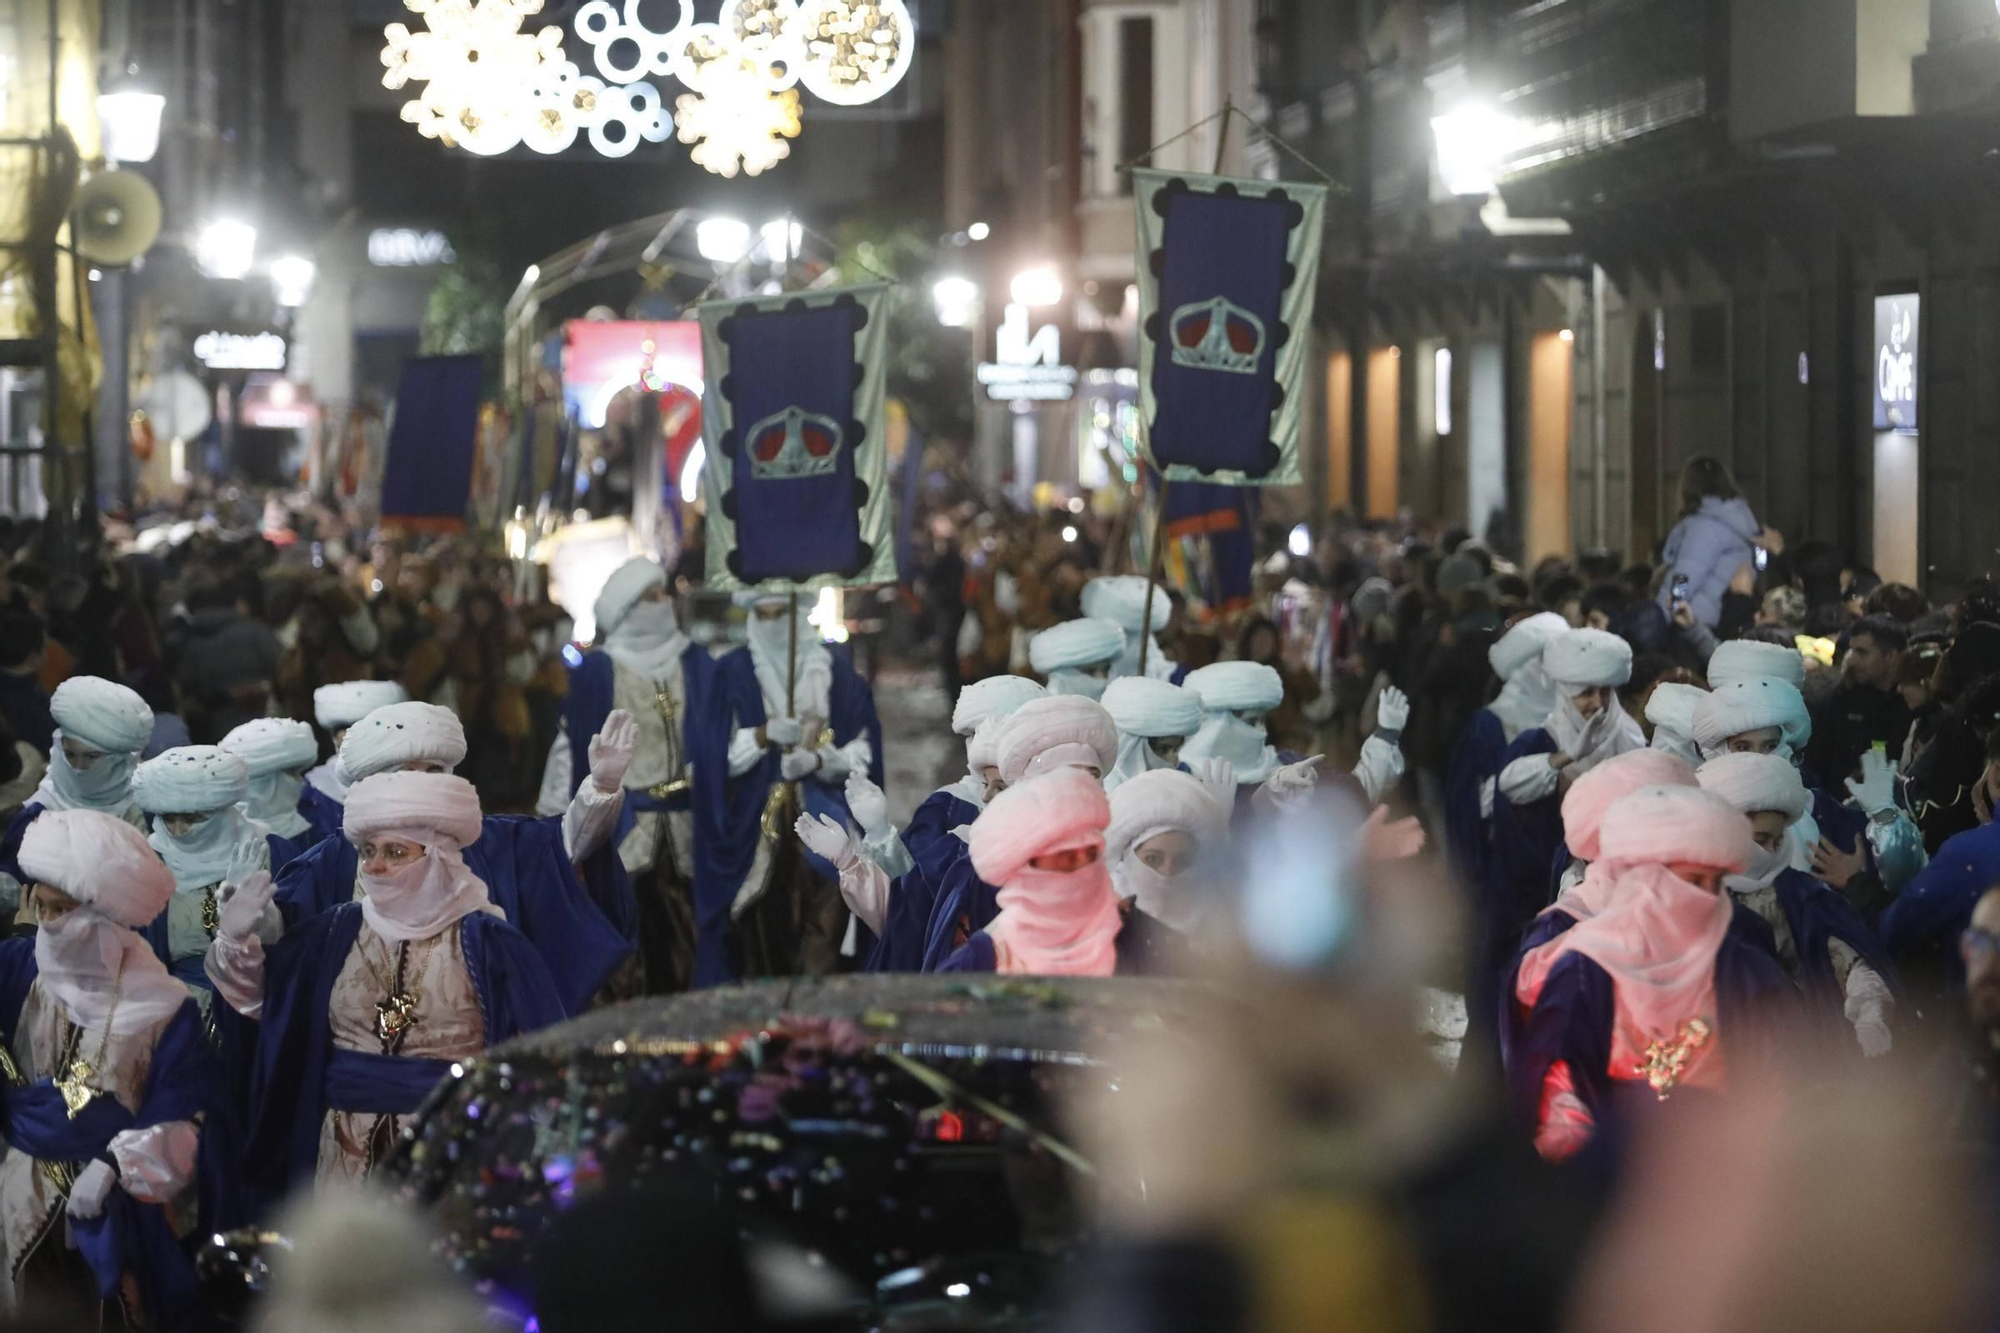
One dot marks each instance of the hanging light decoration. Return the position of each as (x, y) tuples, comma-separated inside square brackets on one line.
[(488, 87)]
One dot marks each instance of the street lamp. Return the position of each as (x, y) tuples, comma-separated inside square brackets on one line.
[(956, 300), (130, 120), (783, 239), (226, 248), (722, 240), (1472, 146), (292, 280), (1037, 287)]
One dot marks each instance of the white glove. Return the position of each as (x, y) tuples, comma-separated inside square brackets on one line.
[(611, 750), (1392, 709), (1218, 779), (1529, 779), (870, 806), (1486, 791), (784, 732), (247, 858), (93, 1186), (825, 839), (1293, 784), (797, 764), (244, 906), (1875, 793), (1874, 1038)]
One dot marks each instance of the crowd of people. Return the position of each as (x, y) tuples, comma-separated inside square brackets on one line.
[(296, 824)]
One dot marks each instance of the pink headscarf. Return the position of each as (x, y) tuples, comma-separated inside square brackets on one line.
[(437, 812), (1051, 923), (1583, 814), (1658, 938)]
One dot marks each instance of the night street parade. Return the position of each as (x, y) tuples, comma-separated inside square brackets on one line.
[(958, 666)]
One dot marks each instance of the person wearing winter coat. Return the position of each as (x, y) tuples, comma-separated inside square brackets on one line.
[(1716, 536)]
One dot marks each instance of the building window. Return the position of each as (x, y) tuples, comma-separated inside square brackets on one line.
[(1135, 93)]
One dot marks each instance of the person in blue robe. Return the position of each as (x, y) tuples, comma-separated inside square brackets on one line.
[(139, 1149), (789, 720), (278, 751), (1526, 696), (1646, 969), (364, 1008), (577, 910), (645, 667)]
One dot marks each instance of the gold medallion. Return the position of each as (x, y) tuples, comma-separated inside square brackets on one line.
[(75, 1087), (1667, 1059), (396, 1014)]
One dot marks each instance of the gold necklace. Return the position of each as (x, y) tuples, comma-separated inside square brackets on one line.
[(396, 1011), (74, 1083)]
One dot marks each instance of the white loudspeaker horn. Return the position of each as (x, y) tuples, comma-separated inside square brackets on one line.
[(117, 217)]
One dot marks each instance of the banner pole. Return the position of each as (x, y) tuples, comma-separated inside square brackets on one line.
[(792, 654)]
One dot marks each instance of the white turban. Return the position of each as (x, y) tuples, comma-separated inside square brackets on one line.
[(191, 780), (1075, 645), (102, 714), (406, 733), (339, 707), (1524, 643), (996, 696), (1152, 708), (1156, 802), (622, 591), (983, 750), (100, 861), (1121, 599), (1752, 659), (1058, 732), (1051, 814), (1582, 659), (443, 803), (1673, 705), (1238, 687), (1676, 826), (1754, 783), (1752, 705), (273, 745)]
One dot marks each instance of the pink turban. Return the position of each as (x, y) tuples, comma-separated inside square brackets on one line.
[(1676, 826), (1611, 781), (99, 860), (1057, 732), (983, 750), (1152, 803), (403, 802), (1050, 814)]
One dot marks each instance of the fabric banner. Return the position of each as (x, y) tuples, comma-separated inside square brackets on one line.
[(796, 464), (1225, 304), (427, 475)]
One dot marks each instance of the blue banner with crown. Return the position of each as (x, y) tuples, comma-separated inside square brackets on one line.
[(1227, 272), (796, 464)]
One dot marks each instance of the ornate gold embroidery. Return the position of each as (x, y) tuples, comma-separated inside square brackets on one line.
[(1667, 1059)]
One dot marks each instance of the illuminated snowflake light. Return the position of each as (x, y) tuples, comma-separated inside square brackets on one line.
[(475, 64), (855, 50), (738, 122)]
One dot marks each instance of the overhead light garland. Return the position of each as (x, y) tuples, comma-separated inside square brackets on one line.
[(489, 87)]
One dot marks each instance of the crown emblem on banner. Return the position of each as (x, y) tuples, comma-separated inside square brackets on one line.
[(794, 443), (1216, 335)]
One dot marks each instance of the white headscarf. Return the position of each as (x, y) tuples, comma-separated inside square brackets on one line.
[(1121, 599), (435, 811), (1142, 809), (105, 717), (1068, 654), (1145, 711), (810, 676), (198, 780), (277, 751), (406, 733), (1229, 690), (643, 637), (92, 961)]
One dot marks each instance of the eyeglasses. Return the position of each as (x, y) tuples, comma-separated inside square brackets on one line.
[(1976, 944)]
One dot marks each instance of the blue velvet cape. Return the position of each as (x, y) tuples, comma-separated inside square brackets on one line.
[(528, 876), (1934, 909), (322, 812), (1474, 762), (183, 1082), (935, 850), (299, 1076), (729, 811)]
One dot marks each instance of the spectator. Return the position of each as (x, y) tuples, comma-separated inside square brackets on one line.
[(1899, 601), (1916, 671), (1713, 542), (333, 640), (1867, 709), (1855, 590), (1290, 725), (22, 702), (227, 664), (1783, 608)]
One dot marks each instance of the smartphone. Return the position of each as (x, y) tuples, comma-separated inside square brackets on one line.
[(1680, 590), (1762, 557)]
